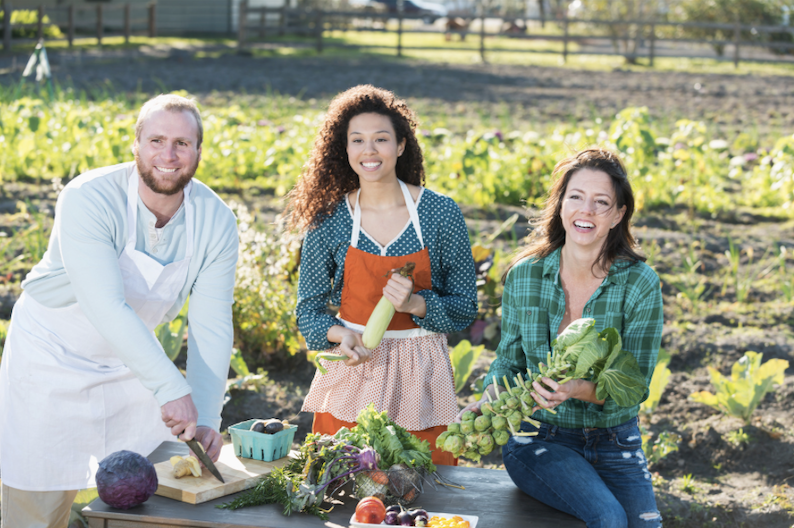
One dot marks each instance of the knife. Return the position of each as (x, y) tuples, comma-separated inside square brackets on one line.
[(198, 450)]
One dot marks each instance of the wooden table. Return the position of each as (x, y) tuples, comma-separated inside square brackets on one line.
[(489, 494)]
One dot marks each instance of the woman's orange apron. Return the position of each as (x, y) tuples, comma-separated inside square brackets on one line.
[(365, 276)]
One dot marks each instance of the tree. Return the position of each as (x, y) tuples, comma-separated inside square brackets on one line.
[(747, 12)]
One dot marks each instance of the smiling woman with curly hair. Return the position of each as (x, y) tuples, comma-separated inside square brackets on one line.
[(365, 212), (328, 175)]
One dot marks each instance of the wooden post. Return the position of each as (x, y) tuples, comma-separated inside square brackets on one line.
[(262, 22), (400, 13), (7, 25), (127, 24), (70, 29), (40, 23), (737, 34), (318, 28), (482, 31), (652, 44), (99, 24), (565, 37), (152, 20), (282, 22), (542, 9), (241, 18)]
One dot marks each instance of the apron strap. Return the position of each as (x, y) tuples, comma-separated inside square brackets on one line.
[(409, 203), (132, 213), (356, 222)]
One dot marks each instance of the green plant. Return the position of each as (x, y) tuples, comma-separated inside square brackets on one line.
[(786, 281), (665, 443), (30, 16), (661, 375), (740, 394), (687, 484), (3, 334), (264, 308), (690, 284), (744, 276), (463, 357), (651, 252), (172, 334), (738, 437)]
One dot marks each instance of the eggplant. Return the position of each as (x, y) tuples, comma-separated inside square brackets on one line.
[(273, 427), (391, 518), (258, 427), (405, 519), (417, 512)]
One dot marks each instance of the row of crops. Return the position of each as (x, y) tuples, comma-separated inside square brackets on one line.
[(264, 145)]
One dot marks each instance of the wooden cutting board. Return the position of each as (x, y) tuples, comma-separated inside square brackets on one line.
[(239, 474)]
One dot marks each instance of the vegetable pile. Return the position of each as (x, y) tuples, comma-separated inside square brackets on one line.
[(579, 352), (369, 452)]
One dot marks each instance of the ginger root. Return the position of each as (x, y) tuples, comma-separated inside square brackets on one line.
[(185, 466)]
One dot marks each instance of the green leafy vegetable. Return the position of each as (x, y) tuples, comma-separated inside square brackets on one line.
[(579, 352), (740, 394), (393, 443)]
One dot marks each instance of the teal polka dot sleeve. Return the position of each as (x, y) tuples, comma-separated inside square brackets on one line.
[(452, 301)]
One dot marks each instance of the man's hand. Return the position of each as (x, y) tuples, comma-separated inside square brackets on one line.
[(211, 440), (181, 416)]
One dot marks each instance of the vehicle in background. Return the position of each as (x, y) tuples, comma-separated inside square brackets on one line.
[(429, 11)]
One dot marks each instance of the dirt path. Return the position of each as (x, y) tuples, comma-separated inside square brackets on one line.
[(539, 93)]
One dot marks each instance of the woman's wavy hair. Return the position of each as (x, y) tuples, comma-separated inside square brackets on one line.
[(327, 177), (549, 233)]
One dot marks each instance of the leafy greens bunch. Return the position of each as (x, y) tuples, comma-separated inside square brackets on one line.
[(301, 485), (579, 352), (393, 444)]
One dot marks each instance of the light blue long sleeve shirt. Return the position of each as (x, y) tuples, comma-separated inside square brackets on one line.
[(81, 265)]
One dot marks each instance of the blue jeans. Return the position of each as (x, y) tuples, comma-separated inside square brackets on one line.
[(598, 475)]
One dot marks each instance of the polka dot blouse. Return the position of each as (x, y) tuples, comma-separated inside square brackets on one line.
[(452, 302)]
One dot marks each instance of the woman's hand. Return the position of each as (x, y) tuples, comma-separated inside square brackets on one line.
[(474, 407), (549, 399), (492, 390), (399, 291), (352, 346)]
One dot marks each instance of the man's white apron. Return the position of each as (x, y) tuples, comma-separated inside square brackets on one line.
[(66, 400)]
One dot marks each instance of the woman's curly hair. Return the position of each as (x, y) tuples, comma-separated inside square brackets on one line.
[(328, 176)]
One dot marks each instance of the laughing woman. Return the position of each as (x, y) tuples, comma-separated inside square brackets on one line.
[(363, 207), (582, 261)]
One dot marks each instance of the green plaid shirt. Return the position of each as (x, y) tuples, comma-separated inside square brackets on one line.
[(533, 304)]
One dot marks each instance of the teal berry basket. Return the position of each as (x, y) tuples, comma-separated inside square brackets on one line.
[(261, 446)]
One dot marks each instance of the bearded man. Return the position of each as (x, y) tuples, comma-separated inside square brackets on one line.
[(82, 374)]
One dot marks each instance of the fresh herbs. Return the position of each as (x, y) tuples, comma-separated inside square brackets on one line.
[(301, 485)]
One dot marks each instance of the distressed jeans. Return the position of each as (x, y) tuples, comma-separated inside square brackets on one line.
[(597, 475)]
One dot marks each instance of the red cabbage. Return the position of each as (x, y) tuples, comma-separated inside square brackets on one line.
[(125, 479)]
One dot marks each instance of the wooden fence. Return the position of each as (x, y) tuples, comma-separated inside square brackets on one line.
[(640, 38), (100, 21)]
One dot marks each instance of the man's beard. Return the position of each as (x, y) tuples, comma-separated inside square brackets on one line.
[(152, 183)]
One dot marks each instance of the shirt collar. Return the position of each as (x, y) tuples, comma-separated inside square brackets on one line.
[(618, 271)]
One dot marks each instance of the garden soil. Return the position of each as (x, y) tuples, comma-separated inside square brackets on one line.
[(734, 482)]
